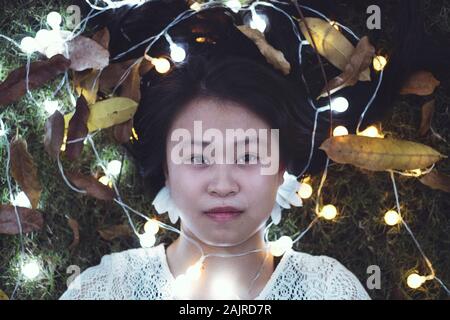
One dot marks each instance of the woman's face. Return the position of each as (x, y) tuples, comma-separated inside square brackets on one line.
[(201, 184)]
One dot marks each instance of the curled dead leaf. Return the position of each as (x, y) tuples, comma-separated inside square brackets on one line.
[(377, 154), (113, 232), (111, 75), (123, 131), (54, 134), (427, 117), (86, 83), (77, 129), (75, 227), (31, 220), (85, 54), (437, 181), (131, 87), (92, 186), (102, 37), (273, 56), (24, 170), (422, 83), (358, 62), (41, 72)]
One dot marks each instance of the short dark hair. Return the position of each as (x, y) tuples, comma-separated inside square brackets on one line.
[(260, 88)]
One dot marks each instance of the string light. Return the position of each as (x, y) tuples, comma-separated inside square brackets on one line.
[(339, 104), (257, 21), (372, 132), (28, 45), (280, 246), (21, 200), (113, 168), (151, 226), (328, 212), (379, 63), (162, 65), (31, 269), (147, 240), (54, 20), (415, 280), (223, 288), (234, 5), (196, 6), (305, 191), (51, 106), (335, 25), (340, 131), (177, 53), (105, 181), (392, 218)]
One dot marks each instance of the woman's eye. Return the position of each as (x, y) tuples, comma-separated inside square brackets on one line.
[(248, 159)]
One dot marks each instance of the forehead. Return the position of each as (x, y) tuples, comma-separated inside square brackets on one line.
[(219, 115)]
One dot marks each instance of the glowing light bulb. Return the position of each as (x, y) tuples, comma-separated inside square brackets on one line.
[(234, 5), (340, 131), (335, 25), (51, 106), (162, 65), (151, 226), (105, 181), (379, 62), (196, 6), (31, 270), (113, 168), (328, 212), (195, 271), (54, 20), (182, 286), (339, 104), (43, 39), (305, 190), (223, 288), (257, 22), (21, 200), (414, 280), (280, 246), (177, 53), (392, 218), (147, 240), (28, 45), (372, 132)]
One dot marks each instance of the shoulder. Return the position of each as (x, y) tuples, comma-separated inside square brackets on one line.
[(305, 276), (118, 275)]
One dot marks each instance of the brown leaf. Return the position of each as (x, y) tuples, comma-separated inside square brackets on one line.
[(86, 83), (123, 131), (24, 171), (41, 72), (421, 83), (436, 180), (54, 134), (102, 37), (113, 232), (427, 117), (77, 129), (3, 295), (92, 187), (85, 54), (358, 62), (273, 56), (131, 87), (75, 227), (31, 220), (112, 73)]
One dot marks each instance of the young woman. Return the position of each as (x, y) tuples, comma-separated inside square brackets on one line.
[(223, 206)]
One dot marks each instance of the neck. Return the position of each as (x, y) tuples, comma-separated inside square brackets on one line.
[(243, 269)]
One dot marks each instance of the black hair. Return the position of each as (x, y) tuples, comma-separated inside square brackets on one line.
[(259, 88)]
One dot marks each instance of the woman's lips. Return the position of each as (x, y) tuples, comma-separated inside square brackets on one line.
[(223, 214)]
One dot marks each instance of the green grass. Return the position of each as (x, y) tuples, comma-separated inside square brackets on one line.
[(358, 237)]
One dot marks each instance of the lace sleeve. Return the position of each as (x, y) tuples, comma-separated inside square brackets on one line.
[(92, 284), (343, 284)]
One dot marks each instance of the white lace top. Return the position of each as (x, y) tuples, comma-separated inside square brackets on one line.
[(144, 274)]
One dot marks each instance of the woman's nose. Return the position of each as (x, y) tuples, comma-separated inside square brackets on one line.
[(222, 182)]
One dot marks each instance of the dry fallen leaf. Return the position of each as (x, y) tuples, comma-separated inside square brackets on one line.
[(24, 171), (330, 43), (273, 56), (92, 186), (427, 117), (77, 129), (131, 87), (31, 220), (113, 232), (436, 180), (102, 37), (111, 75), (377, 154), (14, 87), (85, 54), (75, 227), (3, 295), (54, 134), (123, 131), (358, 62), (422, 83), (86, 83)]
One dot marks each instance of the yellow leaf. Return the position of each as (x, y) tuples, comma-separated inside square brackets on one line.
[(107, 113), (377, 154), (3, 295), (331, 44)]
